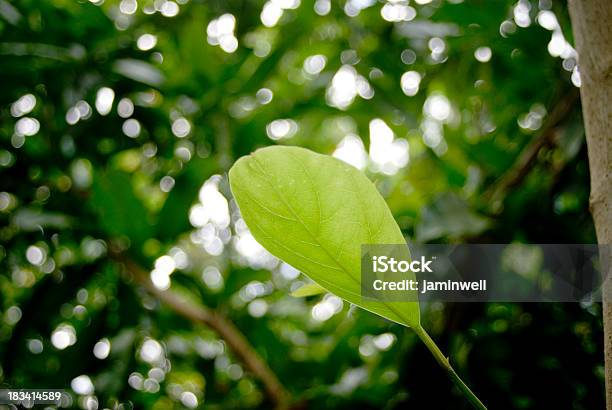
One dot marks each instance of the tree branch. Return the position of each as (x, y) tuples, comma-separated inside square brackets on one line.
[(219, 323), (527, 158)]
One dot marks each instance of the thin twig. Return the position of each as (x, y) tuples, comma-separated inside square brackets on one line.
[(527, 158), (219, 323)]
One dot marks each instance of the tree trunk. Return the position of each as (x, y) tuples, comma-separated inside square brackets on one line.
[(592, 26)]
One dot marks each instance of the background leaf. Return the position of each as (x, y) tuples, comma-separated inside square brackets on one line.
[(309, 289), (173, 218), (119, 211)]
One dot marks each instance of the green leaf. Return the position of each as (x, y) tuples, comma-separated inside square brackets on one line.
[(119, 211), (309, 289), (173, 218), (31, 220), (314, 212), (449, 215)]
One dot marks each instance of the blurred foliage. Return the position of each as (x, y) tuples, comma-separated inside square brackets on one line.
[(119, 121)]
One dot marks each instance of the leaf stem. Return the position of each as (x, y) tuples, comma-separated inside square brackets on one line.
[(445, 364)]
